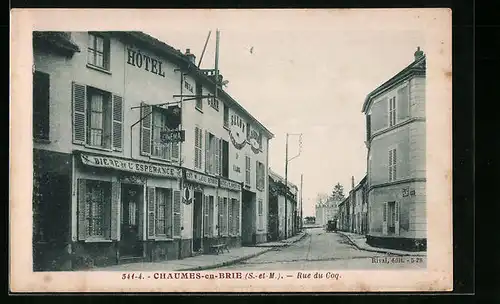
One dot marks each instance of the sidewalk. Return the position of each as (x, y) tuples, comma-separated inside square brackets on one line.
[(206, 261), (359, 241)]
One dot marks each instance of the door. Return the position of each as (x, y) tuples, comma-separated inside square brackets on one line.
[(391, 221), (248, 217), (130, 240), (197, 221)]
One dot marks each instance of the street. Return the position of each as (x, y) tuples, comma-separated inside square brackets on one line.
[(322, 250)]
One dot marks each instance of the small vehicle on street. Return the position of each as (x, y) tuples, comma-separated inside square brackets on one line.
[(331, 226)]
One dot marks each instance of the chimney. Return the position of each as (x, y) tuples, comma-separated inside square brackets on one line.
[(418, 54), (190, 56), (352, 182)]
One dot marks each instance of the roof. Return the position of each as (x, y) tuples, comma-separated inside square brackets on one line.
[(417, 67), (275, 176), (361, 182), (181, 59)]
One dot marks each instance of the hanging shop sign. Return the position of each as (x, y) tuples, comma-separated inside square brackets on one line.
[(187, 195), (142, 61), (201, 178), (255, 140), (173, 136), (228, 184), (131, 166), (237, 132)]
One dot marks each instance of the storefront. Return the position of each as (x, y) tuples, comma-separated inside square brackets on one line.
[(216, 211), (124, 210)]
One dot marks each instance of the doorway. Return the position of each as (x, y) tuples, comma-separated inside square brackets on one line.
[(131, 220), (248, 217), (197, 221), (391, 221)]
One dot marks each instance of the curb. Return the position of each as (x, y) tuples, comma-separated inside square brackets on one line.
[(376, 250), (236, 261), (227, 263)]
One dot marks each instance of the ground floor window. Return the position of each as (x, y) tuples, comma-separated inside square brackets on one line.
[(164, 205), (261, 214), (164, 212), (208, 215), (94, 209)]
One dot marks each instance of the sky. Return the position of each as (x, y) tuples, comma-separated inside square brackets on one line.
[(309, 80)]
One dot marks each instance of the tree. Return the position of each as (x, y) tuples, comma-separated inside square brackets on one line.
[(321, 198), (338, 192)]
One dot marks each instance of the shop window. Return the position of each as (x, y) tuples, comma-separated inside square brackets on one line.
[(97, 209), (97, 118), (198, 147), (164, 212), (98, 51), (41, 100)]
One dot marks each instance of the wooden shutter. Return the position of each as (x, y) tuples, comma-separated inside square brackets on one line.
[(115, 210), (177, 213), (82, 216), (211, 208), (169, 214), (205, 215), (224, 216), (117, 123), (390, 165), (230, 217), (79, 113), (208, 164), (146, 129), (41, 105), (220, 217), (151, 212), (403, 103), (217, 156), (237, 217), (384, 218), (395, 164), (196, 147), (396, 217)]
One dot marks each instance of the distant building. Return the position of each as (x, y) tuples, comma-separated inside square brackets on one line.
[(358, 210), (326, 211), (396, 179), (276, 214)]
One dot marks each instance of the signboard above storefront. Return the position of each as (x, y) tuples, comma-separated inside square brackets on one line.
[(231, 185), (131, 166), (200, 178)]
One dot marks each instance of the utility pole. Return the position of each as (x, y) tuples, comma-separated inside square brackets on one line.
[(286, 176), (286, 186), (301, 206)]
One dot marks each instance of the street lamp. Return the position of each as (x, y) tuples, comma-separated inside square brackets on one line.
[(286, 173)]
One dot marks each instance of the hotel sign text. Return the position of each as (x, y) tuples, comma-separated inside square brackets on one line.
[(131, 166), (143, 61)]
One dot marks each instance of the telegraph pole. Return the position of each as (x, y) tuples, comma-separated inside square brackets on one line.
[(301, 206), (286, 186)]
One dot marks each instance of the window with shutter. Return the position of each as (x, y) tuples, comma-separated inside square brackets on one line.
[(392, 164), (146, 112), (163, 212), (99, 118), (94, 212), (117, 122), (159, 148), (392, 111), (403, 105), (197, 147), (224, 217), (41, 105), (247, 170), (199, 93)]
